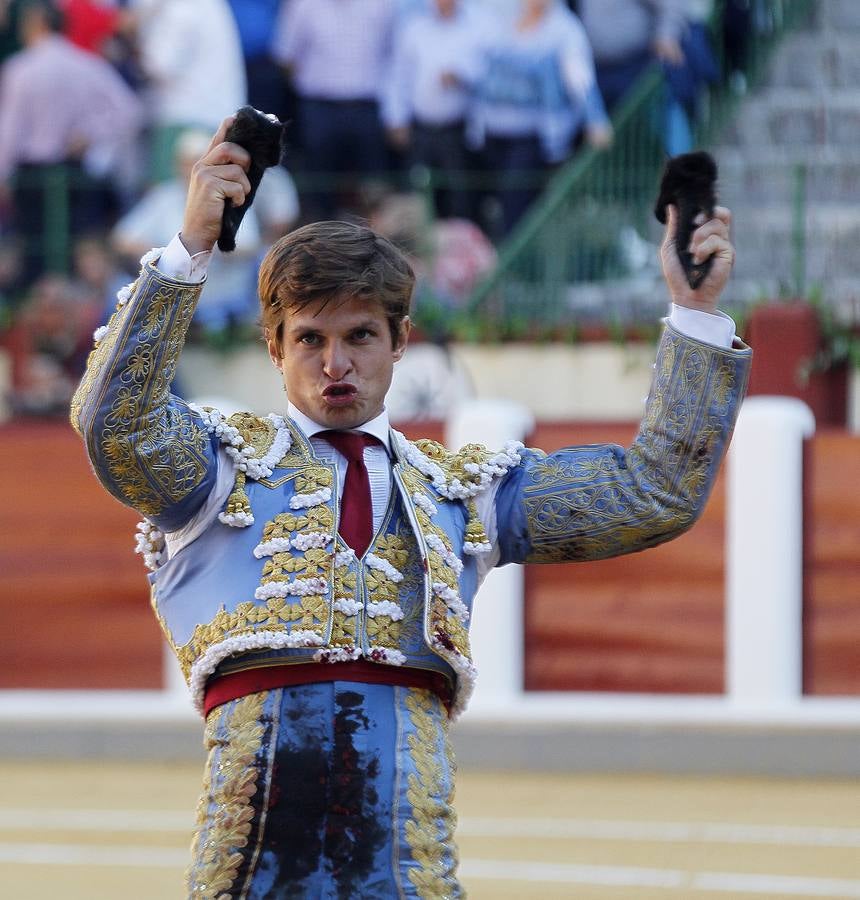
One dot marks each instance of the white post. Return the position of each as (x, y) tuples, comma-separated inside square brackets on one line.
[(764, 543), (496, 631)]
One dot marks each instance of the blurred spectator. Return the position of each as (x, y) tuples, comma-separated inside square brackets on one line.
[(9, 42), (59, 105), (256, 20), (192, 57), (337, 53), (10, 280), (536, 92), (230, 298), (97, 275), (437, 58), (449, 256), (687, 81), (49, 344), (627, 36), (89, 23)]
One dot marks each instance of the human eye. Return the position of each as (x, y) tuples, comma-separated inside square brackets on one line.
[(363, 334), (309, 339)]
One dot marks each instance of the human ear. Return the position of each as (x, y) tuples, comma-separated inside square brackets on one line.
[(402, 338), (274, 347)]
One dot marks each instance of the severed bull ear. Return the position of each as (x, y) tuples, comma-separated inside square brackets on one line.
[(264, 137), (689, 183)]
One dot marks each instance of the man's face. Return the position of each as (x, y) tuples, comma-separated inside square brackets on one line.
[(337, 360)]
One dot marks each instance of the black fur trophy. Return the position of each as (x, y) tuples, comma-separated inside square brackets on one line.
[(689, 184), (263, 136)]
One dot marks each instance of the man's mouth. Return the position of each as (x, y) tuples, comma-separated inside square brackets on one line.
[(340, 393)]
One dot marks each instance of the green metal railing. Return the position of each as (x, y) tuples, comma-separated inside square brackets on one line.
[(573, 233)]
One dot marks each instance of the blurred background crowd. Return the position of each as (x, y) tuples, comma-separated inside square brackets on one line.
[(436, 121)]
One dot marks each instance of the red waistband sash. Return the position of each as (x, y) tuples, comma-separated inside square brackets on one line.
[(223, 688)]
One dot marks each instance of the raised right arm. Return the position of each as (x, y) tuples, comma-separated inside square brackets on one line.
[(145, 444), (148, 448)]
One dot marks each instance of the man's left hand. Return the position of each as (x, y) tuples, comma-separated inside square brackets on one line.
[(710, 239)]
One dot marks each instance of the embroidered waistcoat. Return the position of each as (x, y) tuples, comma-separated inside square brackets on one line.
[(272, 573), (269, 574)]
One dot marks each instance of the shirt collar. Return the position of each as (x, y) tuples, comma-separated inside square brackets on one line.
[(378, 427)]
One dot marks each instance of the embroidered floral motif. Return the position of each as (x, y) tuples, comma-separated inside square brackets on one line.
[(149, 445), (427, 835), (346, 607), (231, 783), (599, 501), (383, 573)]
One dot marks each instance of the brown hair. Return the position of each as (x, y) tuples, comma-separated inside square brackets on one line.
[(327, 261)]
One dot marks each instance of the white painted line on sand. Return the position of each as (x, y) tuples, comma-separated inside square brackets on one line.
[(96, 820), (478, 827), (669, 879), (660, 832), (522, 871), (93, 855)]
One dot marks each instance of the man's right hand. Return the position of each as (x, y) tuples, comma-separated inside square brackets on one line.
[(219, 175)]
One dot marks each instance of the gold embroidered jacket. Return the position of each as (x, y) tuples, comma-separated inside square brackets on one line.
[(269, 578)]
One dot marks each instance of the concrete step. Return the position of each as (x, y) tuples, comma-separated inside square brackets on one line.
[(798, 117), (816, 60), (841, 16), (757, 178), (767, 244)]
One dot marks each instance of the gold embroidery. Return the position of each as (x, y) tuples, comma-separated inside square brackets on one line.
[(344, 631), (310, 612), (382, 630), (217, 859), (284, 525), (155, 450), (443, 624), (238, 503), (595, 502), (427, 834)]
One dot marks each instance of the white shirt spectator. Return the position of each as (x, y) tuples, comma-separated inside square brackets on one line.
[(57, 101), (427, 48), (337, 49), (191, 52)]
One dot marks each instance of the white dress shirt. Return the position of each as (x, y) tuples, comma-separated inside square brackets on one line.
[(376, 457)]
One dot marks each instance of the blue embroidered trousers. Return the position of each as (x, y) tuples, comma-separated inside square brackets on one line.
[(336, 790)]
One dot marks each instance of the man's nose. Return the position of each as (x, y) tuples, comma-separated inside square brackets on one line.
[(337, 362)]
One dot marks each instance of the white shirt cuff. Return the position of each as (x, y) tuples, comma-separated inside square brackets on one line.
[(715, 328), (176, 262)]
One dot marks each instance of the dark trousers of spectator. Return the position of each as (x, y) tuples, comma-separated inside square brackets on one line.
[(340, 138), (442, 148), (615, 79), (53, 206), (267, 89), (518, 169)]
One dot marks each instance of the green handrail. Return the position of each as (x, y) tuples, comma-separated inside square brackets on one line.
[(572, 233)]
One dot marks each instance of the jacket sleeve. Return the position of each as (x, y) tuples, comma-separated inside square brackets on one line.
[(147, 446), (593, 502)]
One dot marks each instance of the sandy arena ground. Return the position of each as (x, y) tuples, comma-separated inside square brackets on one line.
[(102, 831)]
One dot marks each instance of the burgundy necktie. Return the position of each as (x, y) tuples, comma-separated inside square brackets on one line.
[(356, 508)]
